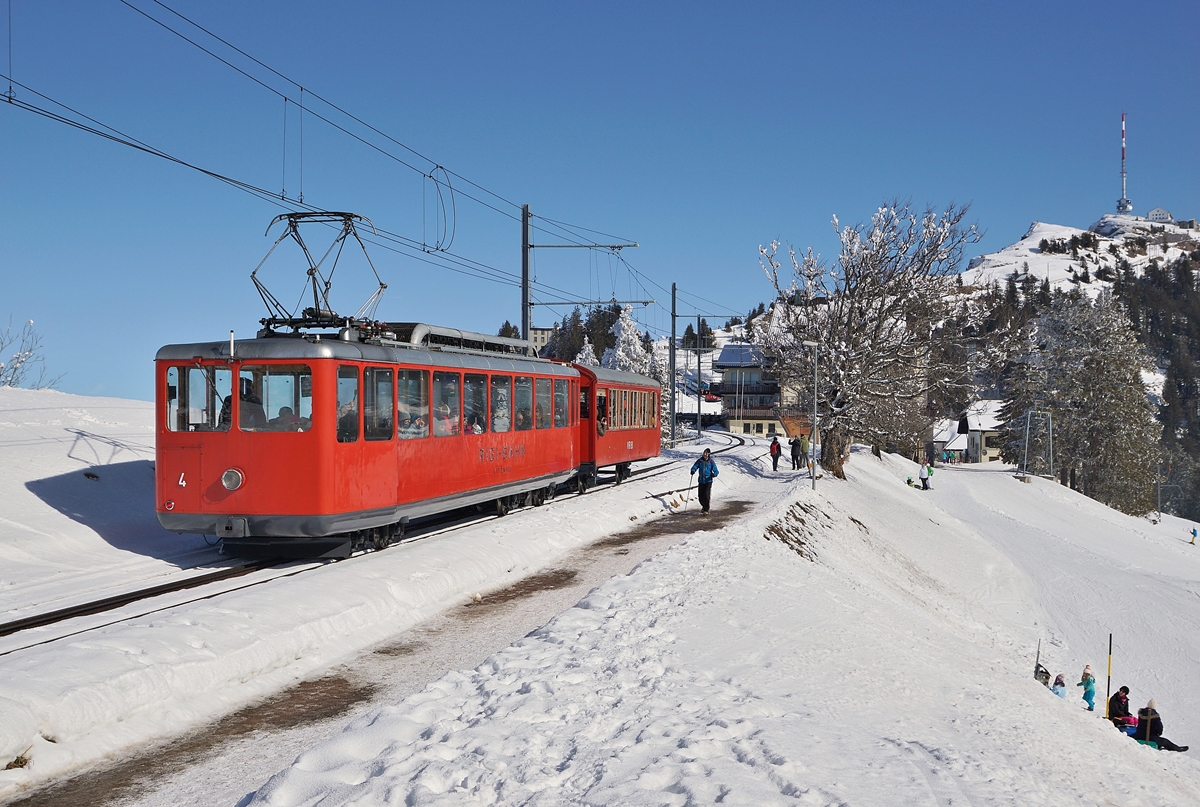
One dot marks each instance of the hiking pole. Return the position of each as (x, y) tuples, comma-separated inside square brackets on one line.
[(687, 497)]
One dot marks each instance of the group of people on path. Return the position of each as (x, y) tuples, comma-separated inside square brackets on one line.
[(799, 446), (1147, 726)]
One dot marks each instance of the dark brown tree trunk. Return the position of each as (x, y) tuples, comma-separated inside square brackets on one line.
[(835, 446)]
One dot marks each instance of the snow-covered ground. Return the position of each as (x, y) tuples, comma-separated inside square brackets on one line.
[(868, 643)]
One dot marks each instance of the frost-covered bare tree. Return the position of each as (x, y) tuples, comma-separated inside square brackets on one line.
[(882, 318), (20, 356)]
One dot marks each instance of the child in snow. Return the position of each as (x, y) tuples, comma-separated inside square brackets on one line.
[(1060, 687), (1088, 682)]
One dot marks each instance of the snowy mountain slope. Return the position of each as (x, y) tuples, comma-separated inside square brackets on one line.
[(1117, 238), (895, 669)]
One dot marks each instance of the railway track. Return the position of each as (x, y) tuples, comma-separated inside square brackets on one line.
[(427, 528)]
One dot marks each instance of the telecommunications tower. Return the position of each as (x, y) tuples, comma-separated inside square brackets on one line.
[(1124, 206)]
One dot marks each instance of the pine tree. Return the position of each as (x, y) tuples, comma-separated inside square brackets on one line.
[(627, 354), (1084, 365), (587, 356), (509, 330)]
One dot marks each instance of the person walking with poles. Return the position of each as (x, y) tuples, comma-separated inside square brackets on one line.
[(776, 450), (796, 450), (708, 472)]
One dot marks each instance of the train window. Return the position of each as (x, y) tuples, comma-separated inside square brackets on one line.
[(501, 396), (377, 403), (654, 410), (347, 404), (199, 399), (585, 403), (624, 408), (601, 409), (275, 398), (523, 404), (413, 403), (542, 409), (447, 409), (475, 403), (561, 389)]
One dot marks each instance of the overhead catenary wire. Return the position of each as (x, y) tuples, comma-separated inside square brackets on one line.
[(402, 245)]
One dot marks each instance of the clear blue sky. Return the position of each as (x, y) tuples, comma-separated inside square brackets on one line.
[(699, 130)]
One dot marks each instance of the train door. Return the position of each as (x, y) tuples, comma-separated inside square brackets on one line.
[(586, 425), (348, 454), (380, 457)]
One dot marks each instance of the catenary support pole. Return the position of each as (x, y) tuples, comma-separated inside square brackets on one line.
[(525, 323), (672, 363), (699, 394)]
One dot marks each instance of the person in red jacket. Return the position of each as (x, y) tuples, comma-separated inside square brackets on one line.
[(776, 450)]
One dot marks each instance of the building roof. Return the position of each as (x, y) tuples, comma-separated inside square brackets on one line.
[(740, 354), (982, 416), (945, 430)]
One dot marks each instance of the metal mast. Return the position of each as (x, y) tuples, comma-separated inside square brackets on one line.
[(1124, 206)]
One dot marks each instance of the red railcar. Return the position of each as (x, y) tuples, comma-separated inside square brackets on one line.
[(618, 422), (319, 446)]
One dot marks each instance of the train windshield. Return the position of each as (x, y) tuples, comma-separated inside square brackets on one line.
[(275, 398), (199, 398)]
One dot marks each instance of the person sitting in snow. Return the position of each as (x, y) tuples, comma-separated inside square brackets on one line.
[(1150, 729), (1118, 709), (1060, 687), (1088, 682)]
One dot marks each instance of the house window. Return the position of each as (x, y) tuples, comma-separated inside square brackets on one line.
[(745, 428), (770, 428), (758, 428)]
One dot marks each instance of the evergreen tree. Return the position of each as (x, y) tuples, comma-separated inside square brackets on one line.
[(509, 330), (627, 353), (1083, 364), (586, 355)]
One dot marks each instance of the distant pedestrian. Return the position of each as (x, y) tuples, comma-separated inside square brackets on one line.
[(923, 475), (1150, 728), (1193, 536), (776, 450), (708, 472), (796, 451), (1088, 682)]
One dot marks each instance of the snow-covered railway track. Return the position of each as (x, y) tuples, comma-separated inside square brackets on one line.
[(215, 584)]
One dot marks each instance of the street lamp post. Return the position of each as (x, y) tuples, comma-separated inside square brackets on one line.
[(812, 471)]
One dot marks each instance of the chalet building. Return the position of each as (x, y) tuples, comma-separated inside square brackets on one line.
[(981, 424), (540, 337), (1160, 215), (749, 393)]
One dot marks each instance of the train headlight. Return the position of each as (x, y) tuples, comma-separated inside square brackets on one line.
[(232, 479)]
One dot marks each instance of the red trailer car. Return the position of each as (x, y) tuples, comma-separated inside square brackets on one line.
[(618, 421)]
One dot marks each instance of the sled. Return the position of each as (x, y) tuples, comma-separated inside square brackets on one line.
[(1150, 743)]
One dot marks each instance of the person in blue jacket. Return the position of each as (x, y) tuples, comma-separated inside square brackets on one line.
[(708, 472)]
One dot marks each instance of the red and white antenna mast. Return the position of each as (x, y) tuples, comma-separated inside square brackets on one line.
[(1124, 206)]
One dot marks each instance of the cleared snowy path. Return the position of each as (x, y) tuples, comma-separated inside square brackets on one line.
[(895, 669)]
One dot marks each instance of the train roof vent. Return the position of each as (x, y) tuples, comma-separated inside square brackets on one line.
[(434, 337)]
